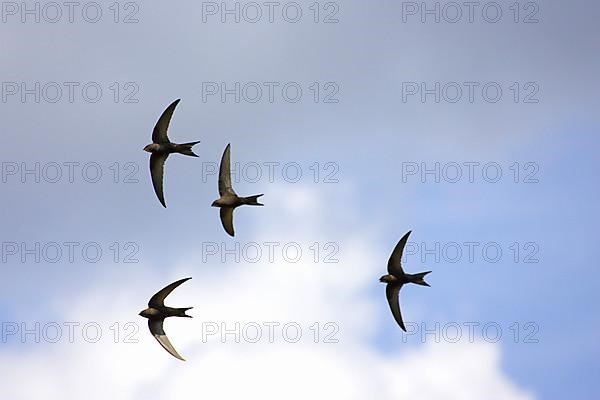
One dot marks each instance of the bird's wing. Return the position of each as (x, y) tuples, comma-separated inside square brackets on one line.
[(156, 328), (159, 135), (158, 300), (225, 173), (392, 293), (227, 219), (394, 263), (157, 168)]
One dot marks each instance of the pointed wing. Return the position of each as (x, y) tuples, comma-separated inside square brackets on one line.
[(392, 292), (225, 173), (394, 263), (157, 167), (158, 300), (159, 135), (156, 328), (227, 219)]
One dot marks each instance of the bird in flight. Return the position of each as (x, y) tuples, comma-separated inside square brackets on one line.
[(161, 147), (229, 200), (396, 278), (157, 312)]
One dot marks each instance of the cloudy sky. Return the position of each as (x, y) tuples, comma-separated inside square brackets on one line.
[(476, 127)]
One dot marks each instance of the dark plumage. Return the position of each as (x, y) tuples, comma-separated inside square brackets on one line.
[(396, 278), (161, 147), (157, 312), (229, 200)]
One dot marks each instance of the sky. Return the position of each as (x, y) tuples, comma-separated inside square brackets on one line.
[(474, 127)]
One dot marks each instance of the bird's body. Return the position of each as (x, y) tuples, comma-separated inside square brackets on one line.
[(236, 201), (396, 278), (229, 200), (157, 312), (161, 313), (402, 279), (170, 148), (161, 147)]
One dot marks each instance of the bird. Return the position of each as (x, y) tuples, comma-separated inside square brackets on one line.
[(157, 312), (229, 200), (161, 147), (396, 278)]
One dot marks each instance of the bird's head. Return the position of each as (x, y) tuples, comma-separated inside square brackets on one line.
[(387, 279), (215, 203), (145, 313), (151, 147)]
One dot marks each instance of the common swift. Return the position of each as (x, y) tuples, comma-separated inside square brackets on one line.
[(229, 200), (161, 147), (396, 278), (157, 312)]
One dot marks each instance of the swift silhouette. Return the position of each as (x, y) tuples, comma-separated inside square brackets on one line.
[(396, 278)]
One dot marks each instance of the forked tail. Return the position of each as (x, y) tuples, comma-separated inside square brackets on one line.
[(418, 278), (182, 312), (253, 200), (186, 148)]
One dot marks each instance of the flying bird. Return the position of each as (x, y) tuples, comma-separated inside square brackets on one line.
[(161, 147), (396, 278), (229, 200), (157, 312)]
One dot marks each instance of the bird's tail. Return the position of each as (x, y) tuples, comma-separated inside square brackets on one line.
[(186, 149), (182, 312), (418, 278), (253, 200)]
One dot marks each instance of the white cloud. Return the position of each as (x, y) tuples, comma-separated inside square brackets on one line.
[(302, 292)]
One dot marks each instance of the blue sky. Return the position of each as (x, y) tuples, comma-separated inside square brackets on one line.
[(369, 139)]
